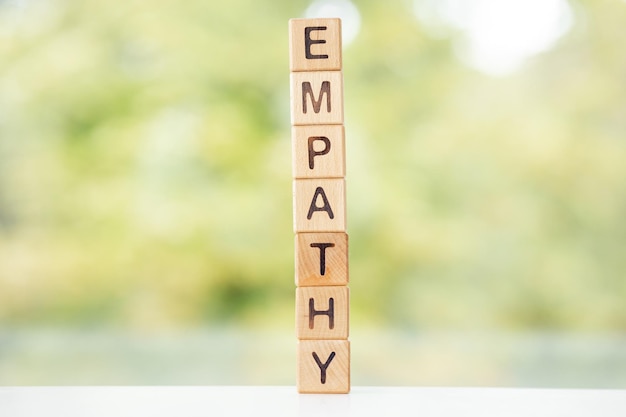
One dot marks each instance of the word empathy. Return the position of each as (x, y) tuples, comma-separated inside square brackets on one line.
[(319, 206)]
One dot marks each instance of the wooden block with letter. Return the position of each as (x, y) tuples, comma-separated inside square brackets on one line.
[(322, 312), (323, 366), (315, 44), (318, 151), (319, 205), (316, 98), (321, 259)]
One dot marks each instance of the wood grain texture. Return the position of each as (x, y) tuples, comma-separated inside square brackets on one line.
[(321, 259), (319, 205), (316, 98), (322, 312), (315, 44), (318, 151), (323, 366)]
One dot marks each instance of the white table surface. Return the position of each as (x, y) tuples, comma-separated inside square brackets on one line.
[(258, 401)]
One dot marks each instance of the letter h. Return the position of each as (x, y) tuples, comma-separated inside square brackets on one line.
[(330, 313)]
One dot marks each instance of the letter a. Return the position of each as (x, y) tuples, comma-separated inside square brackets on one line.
[(326, 207)]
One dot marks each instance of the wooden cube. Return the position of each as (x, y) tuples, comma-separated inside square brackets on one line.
[(318, 151), (321, 259), (315, 44), (322, 312), (317, 98), (319, 205), (323, 366)]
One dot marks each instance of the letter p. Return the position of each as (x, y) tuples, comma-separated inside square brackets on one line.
[(313, 153)]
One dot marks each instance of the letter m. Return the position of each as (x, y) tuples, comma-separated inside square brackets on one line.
[(307, 90)]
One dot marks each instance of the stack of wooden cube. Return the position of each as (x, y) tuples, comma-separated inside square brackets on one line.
[(319, 204)]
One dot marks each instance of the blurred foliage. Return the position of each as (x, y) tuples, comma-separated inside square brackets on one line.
[(145, 174)]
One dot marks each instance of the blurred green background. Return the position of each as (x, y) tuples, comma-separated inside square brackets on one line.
[(146, 209)]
